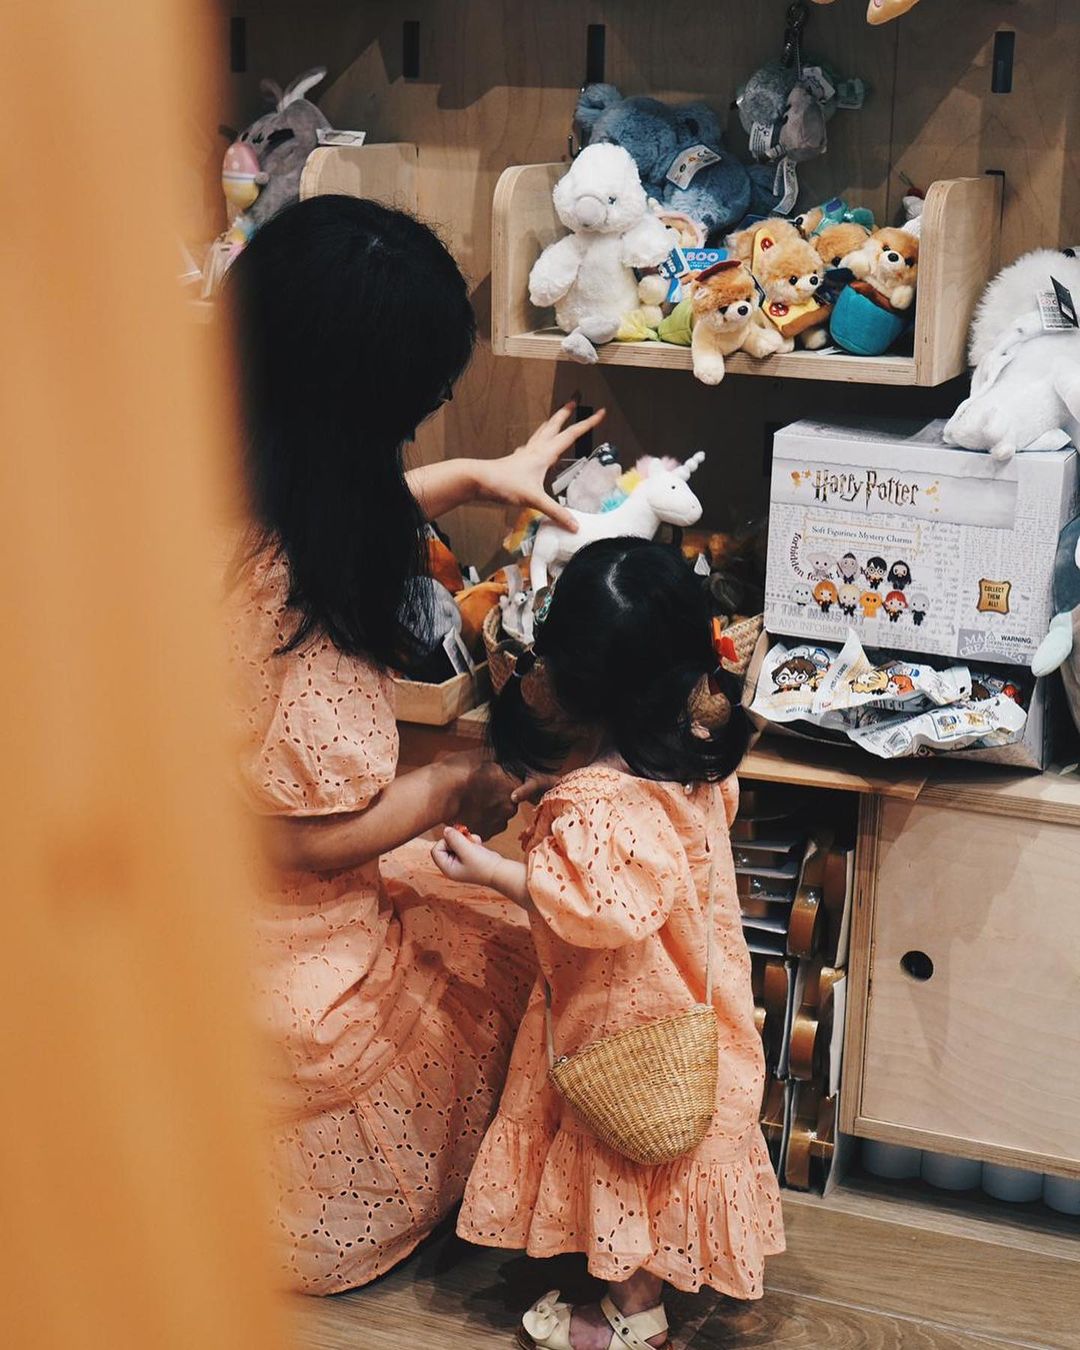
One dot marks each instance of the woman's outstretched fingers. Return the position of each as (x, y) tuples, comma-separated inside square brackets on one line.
[(571, 435)]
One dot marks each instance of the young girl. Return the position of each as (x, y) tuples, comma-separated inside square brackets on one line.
[(616, 884)]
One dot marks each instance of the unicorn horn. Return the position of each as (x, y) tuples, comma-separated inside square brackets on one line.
[(694, 462)]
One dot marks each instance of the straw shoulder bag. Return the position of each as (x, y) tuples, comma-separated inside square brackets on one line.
[(649, 1092)]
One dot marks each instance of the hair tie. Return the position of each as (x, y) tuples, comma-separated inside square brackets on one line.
[(524, 663)]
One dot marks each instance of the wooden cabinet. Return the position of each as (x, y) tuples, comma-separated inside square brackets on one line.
[(969, 930)]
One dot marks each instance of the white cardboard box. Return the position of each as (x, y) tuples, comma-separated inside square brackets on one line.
[(977, 539)]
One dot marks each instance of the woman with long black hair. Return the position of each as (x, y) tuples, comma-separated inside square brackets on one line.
[(392, 995)]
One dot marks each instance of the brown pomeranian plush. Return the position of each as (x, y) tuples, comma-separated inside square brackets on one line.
[(889, 264), (727, 319), (835, 242)]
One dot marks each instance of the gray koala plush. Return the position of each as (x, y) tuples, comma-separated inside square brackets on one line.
[(282, 141)]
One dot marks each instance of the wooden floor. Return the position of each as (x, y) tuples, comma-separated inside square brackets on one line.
[(451, 1296)]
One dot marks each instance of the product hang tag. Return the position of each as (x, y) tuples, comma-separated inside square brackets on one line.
[(818, 83), (701, 567), (1056, 309), (1065, 302), (689, 162), (787, 183)]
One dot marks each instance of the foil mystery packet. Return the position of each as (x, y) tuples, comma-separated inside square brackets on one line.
[(892, 707)]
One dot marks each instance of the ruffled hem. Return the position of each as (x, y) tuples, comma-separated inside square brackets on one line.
[(692, 1222)]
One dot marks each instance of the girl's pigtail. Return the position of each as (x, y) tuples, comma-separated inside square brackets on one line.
[(728, 736), (523, 740)]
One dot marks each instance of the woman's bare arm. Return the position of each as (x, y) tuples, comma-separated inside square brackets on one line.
[(516, 479), (464, 787)]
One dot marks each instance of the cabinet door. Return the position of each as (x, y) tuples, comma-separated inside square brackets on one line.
[(973, 1024)]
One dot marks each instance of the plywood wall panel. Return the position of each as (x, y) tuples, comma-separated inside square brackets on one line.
[(497, 86)]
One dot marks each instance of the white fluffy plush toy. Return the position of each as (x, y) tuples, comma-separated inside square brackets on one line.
[(1025, 392), (588, 275)]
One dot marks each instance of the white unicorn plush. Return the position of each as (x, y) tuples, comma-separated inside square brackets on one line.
[(661, 498)]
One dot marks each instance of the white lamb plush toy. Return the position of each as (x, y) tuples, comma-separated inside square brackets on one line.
[(1025, 392), (587, 275)]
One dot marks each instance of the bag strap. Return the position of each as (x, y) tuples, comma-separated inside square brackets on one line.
[(710, 943)]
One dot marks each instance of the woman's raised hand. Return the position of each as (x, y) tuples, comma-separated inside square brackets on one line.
[(518, 478)]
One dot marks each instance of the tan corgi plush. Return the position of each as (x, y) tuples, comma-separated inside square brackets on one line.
[(889, 264), (727, 319)]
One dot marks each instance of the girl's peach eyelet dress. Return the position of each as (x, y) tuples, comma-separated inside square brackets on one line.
[(618, 873)]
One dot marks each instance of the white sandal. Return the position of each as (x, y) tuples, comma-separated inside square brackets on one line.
[(546, 1326)]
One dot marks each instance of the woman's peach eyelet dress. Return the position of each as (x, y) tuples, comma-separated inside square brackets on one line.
[(392, 995), (618, 872)]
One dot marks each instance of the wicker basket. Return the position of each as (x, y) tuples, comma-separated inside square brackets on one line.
[(502, 652), (650, 1092), (743, 635)]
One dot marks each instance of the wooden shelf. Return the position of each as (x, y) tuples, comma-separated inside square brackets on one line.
[(1051, 797), (958, 255)]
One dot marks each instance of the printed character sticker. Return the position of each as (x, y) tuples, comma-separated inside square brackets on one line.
[(793, 673), (874, 572), (848, 597), (900, 685), (993, 597), (870, 603), (917, 607), (895, 605), (870, 682), (848, 568), (899, 575), (821, 566), (801, 595), (825, 594)]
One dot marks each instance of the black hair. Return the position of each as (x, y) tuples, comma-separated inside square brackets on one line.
[(353, 322), (624, 643)]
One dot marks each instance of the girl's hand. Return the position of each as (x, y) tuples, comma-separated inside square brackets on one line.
[(461, 856), (518, 479)]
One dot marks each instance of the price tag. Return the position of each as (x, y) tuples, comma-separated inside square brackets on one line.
[(689, 162)]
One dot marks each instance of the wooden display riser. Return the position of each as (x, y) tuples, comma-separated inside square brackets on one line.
[(958, 254)]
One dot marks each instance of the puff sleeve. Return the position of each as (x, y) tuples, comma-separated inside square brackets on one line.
[(315, 731), (601, 879)]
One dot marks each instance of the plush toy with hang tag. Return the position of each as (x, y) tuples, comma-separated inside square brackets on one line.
[(784, 109), (680, 155)]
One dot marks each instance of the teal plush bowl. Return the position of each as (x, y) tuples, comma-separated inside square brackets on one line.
[(863, 328)]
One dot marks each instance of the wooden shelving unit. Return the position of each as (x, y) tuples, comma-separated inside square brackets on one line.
[(958, 255), (1052, 797)]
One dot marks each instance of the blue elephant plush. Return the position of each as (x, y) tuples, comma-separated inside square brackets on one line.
[(680, 156)]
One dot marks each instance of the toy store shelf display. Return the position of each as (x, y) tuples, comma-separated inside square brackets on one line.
[(957, 256)]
